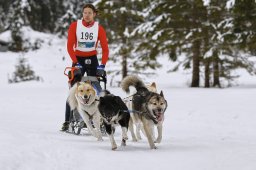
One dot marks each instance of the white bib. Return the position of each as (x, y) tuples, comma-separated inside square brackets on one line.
[(86, 37)]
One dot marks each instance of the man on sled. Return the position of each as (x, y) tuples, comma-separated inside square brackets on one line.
[(83, 38)]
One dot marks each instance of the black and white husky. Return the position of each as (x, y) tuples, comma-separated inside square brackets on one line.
[(114, 111), (147, 106)]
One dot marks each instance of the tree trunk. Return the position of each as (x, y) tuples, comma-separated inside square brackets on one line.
[(207, 63), (216, 70), (196, 64), (124, 66)]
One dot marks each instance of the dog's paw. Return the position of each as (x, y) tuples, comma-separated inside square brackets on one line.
[(123, 142), (157, 141), (153, 147), (139, 137), (114, 148), (100, 139), (125, 138), (95, 135), (134, 140)]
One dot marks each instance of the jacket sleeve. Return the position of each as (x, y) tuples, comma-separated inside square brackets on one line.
[(104, 45), (72, 41)]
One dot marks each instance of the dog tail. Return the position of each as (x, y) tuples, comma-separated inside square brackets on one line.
[(72, 97), (132, 80)]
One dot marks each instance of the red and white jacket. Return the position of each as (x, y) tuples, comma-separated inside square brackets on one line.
[(72, 43)]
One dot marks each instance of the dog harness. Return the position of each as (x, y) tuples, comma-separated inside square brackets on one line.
[(90, 116)]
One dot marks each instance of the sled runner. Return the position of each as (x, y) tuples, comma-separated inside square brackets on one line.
[(77, 124)]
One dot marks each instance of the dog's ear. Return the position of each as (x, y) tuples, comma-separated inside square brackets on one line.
[(161, 93), (88, 82), (78, 84), (153, 85)]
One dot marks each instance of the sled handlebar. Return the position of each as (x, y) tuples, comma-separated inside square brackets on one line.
[(70, 73)]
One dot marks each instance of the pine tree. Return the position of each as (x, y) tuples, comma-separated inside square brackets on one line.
[(64, 22), (1, 19), (72, 11), (224, 43), (120, 18), (244, 24), (175, 27), (43, 15), (244, 37), (157, 35), (4, 17), (23, 72), (17, 21), (198, 19)]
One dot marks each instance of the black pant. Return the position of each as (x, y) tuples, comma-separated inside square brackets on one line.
[(89, 66)]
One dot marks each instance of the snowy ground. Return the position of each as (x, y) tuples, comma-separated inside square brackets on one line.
[(210, 129)]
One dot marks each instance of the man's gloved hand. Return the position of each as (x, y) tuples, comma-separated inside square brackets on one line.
[(77, 65), (75, 74), (100, 70)]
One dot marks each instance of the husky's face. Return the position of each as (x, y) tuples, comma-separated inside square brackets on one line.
[(108, 108), (157, 106), (85, 92)]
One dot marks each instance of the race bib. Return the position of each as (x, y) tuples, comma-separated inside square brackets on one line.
[(86, 37)]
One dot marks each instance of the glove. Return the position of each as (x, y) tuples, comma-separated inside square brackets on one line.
[(100, 70), (77, 65)]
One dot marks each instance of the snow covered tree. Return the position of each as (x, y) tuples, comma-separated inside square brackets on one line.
[(72, 10), (224, 43), (4, 17), (244, 24), (64, 22), (156, 35), (244, 34), (194, 38), (17, 21), (23, 72), (120, 18), (43, 15), (174, 27)]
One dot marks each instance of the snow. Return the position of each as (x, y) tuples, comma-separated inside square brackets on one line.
[(212, 129), (230, 4), (206, 2), (6, 36)]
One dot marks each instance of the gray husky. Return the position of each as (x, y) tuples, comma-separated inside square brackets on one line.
[(147, 106)]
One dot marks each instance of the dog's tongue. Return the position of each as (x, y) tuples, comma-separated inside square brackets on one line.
[(159, 117), (86, 101)]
